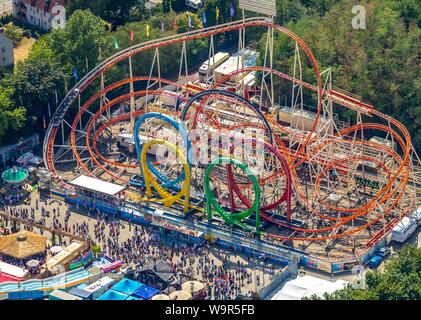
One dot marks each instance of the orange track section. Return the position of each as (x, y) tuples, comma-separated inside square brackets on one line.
[(391, 193)]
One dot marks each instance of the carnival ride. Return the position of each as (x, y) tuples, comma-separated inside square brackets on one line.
[(291, 175)]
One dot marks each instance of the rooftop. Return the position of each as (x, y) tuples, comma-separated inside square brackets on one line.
[(307, 286), (22, 245), (161, 268), (97, 185), (45, 5)]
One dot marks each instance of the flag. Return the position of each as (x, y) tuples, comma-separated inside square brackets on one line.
[(147, 30), (232, 10), (204, 18), (217, 13), (75, 74), (190, 22), (131, 35), (43, 122), (116, 45)]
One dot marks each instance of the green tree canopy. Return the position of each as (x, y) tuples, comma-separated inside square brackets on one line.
[(115, 12), (82, 42), (12, 117), (401, 280), (380, 64)]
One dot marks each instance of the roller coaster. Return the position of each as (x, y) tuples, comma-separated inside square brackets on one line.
[(290, 174)]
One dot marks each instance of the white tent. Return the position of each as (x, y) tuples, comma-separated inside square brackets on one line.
[(307, 286), (97, 185), (12, 270)]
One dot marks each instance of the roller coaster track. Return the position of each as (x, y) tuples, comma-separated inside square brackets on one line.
[(391, 193), (62, 109)]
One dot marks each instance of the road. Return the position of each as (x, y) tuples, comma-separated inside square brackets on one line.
[(5, 7)]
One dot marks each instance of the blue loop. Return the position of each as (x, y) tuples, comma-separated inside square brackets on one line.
[(139, 147), (230, 95)]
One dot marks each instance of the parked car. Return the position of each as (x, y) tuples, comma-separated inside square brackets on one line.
[(384, 252), (374, 262)]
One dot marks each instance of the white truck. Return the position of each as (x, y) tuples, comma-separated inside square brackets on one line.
[(404, 229), (194, 4), (416, 215), (209, 66)]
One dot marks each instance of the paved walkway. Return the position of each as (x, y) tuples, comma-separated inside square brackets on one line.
[(118, 234)]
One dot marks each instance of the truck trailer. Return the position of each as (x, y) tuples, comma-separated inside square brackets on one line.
[(209, 66), (404, 229)]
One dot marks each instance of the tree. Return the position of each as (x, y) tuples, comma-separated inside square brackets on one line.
[(166, 6), (96, 250), (12, 117), (410, 12), (178, 5), (224, 11), (13, 32), (183, 22), (377, 64), (36, 79), (401, 280), (115, 12), (81, 43), (289, 10)]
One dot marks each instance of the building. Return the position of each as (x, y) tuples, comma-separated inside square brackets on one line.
[(6, 51), (9, 154), (5, 7), (157, 274), (152, 4), (39, 13)]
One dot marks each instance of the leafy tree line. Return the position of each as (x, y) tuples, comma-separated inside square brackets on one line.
[(380, 64), (62, 57), (401, 280), (115, 12)]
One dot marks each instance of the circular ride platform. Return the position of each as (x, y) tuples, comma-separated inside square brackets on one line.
[(15, 176)]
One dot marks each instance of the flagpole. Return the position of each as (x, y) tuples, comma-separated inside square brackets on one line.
[(49, 112), (44, 124)]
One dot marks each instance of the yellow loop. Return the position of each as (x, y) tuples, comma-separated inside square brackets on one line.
[(150, 181)]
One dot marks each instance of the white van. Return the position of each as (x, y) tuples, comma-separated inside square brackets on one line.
[(194, 4)]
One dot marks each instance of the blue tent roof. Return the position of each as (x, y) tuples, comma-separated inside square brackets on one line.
[(80, 293), (113, 295), (145, 292), (133, 298), (127, 286)]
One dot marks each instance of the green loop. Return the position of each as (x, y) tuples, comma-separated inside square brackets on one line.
[(229, 217)]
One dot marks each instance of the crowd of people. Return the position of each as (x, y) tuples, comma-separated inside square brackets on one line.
[(224, 280), (14, 199)]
